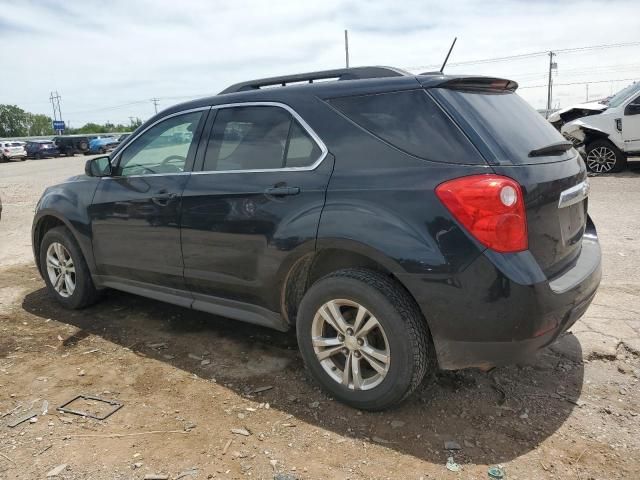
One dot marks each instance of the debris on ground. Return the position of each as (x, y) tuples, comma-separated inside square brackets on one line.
[(54, 472), (22, 418), (452, 445), (452, 465), (397, 424), (116, 406), (495, 473), (261, 389), (156, 476), (187, 473), (241, 431), (284, 476)]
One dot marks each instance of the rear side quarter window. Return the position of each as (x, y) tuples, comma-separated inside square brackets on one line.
[(412, 122)]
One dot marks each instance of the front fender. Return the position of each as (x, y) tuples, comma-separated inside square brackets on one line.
[(67, 203)]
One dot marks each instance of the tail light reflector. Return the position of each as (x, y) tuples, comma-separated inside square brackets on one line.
[(489, 207)]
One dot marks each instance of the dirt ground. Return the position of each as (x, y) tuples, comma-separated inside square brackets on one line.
[(188, 380)]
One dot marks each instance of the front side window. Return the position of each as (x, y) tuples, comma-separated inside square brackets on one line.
[(163, 148), (258, 138)]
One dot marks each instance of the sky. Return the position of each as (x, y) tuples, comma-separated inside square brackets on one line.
[(108, 59)]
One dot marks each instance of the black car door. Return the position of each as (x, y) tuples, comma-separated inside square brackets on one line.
[(254, 205), (135, 213)]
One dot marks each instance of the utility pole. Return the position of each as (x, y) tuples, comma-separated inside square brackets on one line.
[(155, 103), (587, 97), (55, 103), (346, 47), (552, 65)]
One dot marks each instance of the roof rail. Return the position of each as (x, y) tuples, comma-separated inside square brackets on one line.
[(357, 73)]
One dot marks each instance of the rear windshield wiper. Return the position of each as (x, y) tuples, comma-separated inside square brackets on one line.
[(553, 149)]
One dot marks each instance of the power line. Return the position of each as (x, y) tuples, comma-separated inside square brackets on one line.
[(155, 103), (581, 83), (530, 55)]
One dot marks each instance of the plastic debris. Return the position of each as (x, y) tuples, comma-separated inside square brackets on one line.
[(495, 473), (452, 465)]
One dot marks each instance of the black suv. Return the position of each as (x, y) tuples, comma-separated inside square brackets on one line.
[(397, 222), (70, 145)]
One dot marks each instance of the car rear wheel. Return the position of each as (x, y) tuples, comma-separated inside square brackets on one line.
[(603, 156), (65, 270), (363, 338)]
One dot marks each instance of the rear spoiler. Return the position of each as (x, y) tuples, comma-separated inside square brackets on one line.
[(477, 84)]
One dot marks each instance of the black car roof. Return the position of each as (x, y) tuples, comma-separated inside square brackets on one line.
[(370, 80)]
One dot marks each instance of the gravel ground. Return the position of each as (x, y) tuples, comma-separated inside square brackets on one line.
[(205, 397)]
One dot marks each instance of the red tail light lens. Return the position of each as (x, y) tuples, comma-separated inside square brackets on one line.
[(490, 207)]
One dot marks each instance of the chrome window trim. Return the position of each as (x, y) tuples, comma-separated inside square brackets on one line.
[(314, 136), (575, 194), (323, 148)]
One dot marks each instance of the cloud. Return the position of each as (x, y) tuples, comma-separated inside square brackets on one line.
[(102, 55)]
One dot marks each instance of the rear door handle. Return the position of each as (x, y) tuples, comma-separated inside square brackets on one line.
[(281, 191)]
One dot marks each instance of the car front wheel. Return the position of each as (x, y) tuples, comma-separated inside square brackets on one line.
[(603, 156), (65, 270), (363, 338)]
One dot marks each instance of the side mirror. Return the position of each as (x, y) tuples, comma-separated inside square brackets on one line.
[(98, 167), (632, 109)]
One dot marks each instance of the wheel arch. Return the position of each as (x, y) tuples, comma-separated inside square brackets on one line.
[(46, 221), (328, 258)]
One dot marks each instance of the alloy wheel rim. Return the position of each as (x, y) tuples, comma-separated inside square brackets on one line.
[(350, 344), (61, 269), (601, 160)]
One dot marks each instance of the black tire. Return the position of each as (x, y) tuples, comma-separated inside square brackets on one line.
[(102, 150), (85, 292), (403, 324), (598, 153)]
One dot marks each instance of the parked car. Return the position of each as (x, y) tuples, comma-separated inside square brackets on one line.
[(12, 150), (70, 145), (397, 222), (122, 137), (609, 131), (41, 149), (101, 145)]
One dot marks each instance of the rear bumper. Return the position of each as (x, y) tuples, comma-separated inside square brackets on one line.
[(482, 317)]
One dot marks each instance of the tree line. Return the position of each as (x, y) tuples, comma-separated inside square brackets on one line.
[(15, 122)]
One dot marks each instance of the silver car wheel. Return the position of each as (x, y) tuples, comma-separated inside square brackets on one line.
[(350, 344), (61, 270), (601, 160)]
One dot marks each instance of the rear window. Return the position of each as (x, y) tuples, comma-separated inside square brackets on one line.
[(412, 122), (509, 125)]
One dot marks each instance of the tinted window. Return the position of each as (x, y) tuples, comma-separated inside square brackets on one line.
[(411, 121), (508, 124), (161, 149), (258, 138)]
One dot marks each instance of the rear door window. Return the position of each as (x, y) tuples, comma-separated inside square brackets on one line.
[(258, 138), (410, 121), (506, 123)]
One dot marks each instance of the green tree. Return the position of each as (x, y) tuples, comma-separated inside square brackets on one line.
[(13, 121), (38, 124)]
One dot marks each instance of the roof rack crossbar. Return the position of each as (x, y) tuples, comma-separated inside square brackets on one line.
[(357, 73)]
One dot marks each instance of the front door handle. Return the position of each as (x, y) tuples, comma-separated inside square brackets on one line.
[(282, 191), (163, 198)]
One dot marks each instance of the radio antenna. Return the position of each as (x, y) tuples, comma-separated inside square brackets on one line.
[(446, 59)]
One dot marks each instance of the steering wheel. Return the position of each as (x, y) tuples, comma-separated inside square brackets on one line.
[(174, 158)]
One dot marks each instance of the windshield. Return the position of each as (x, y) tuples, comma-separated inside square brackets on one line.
[(622, 95)]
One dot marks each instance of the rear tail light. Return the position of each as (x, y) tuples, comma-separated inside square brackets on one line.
[(490, 207)]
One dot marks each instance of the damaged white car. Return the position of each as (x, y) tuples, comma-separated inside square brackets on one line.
[(607, 131)]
